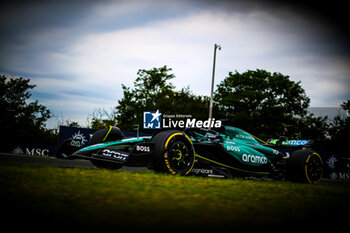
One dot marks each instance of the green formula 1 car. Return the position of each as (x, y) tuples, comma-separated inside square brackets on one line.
[(227, 152)]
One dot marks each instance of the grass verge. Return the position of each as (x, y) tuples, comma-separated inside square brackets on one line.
[(39, 195)]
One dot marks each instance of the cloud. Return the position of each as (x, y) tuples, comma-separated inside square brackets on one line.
[(84, 58)]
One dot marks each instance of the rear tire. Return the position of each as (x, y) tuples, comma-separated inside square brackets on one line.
[(174, 152), (305, 166)]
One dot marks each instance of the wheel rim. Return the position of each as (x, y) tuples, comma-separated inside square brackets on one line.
[(180, 155), (313, 168)]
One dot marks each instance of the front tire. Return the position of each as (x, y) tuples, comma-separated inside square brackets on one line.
[(104, 135), (305, 166), (67, 148), (174, 152)]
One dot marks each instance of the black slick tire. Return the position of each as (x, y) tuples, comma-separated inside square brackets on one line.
[(174, 152), (305, 166), (105, 135)]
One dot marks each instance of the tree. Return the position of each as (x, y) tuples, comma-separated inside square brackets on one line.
[(315, 128), (263, 103), (20, 120), (340, 130), (72, 123), (188, 103), (102, 119), (153, 90)]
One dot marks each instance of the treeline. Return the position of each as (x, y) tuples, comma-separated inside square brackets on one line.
[(21, 121), (268, 105), (265, 104)]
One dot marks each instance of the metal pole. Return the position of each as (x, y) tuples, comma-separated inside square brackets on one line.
[(212, 86), (137, 130)]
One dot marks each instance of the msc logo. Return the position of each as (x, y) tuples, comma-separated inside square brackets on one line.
[(151, 120)]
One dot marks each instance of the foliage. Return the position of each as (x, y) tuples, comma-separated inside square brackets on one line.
[(153, 90), (314, 128), (340, 130), (102, 119), (262, 103), (20, 120), (266, 104), (72, 123)]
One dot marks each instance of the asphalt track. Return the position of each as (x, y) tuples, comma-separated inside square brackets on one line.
[(52, 161), (80, 163)]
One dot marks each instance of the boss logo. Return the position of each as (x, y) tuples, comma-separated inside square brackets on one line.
[(233, 148), (143, 148)]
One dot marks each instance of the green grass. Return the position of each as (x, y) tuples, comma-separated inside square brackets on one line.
[(147, 200)]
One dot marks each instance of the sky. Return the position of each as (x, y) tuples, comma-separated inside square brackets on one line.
[(79, 53)]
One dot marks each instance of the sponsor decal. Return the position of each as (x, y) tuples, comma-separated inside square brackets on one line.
[(80, 135), (153, 120), (254, 159), (340, 176), (31, 151), (143, 148), (333, 176), (331, 161), (231, 142), (344, 176), (76, 143), (275, 152), (114, 154), (18, 150), (165, 155), (233, 148), (242, 136), (290, 142), (201, 171), (79, 138)]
